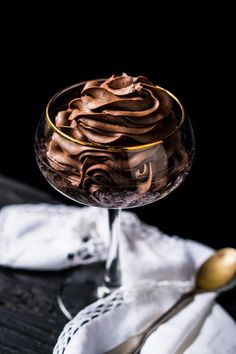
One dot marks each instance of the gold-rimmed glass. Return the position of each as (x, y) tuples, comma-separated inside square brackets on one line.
[(114, 177)]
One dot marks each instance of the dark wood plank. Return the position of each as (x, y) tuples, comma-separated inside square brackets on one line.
[(30, 320)]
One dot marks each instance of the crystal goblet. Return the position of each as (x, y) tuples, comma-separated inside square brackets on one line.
[(107, 175)]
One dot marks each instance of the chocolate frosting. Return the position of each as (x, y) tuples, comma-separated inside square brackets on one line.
[(122, 110)]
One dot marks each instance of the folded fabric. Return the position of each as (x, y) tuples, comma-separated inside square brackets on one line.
[(43, 236), (156, 271)]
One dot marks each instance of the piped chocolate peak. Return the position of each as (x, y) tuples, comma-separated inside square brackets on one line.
[(120, 111)]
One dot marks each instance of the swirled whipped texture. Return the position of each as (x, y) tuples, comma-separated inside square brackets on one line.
[(121, 111)]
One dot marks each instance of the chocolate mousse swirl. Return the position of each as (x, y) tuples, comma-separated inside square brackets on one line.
[(122, 110)]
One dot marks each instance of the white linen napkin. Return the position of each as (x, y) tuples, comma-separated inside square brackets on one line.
[(156, 270)]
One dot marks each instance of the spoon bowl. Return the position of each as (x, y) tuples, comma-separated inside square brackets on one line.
[(217, 271)]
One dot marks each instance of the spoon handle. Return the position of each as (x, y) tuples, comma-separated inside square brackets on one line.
[(134, 344), (184, 301)]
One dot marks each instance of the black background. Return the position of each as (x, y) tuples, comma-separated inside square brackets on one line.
[(192, 56)]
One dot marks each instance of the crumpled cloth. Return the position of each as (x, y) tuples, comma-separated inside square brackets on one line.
[(156, 271)]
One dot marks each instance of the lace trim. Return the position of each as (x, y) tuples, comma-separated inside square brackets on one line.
[(85, 317), (144, 291)]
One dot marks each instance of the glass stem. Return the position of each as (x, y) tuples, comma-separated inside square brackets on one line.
[(112, 274)]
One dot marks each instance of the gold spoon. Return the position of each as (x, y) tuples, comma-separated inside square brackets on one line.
[(217, 273)]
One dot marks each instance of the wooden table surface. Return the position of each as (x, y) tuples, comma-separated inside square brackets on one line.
[(30, 320)]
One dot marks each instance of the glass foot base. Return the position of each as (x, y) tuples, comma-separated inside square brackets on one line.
[(80, 288)]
